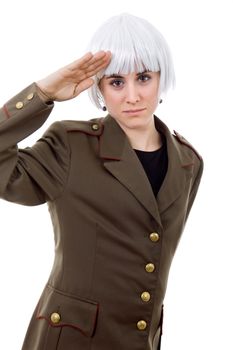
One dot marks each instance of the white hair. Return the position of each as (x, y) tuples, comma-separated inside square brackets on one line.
[(136, 45)]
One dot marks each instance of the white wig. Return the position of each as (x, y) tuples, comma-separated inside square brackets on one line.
[(136, 45)]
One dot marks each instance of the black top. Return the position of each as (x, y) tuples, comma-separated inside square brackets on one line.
[(155, 164)]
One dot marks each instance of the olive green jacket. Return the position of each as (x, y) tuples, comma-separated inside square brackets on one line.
[(114, 241)]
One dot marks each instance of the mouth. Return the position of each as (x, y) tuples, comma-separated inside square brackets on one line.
[(134, 110)]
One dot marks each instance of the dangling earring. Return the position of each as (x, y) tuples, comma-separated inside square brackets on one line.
[(160, 101), (101, 101)]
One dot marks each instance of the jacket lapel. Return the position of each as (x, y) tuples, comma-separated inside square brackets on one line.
[(180, 169), (122, 162)]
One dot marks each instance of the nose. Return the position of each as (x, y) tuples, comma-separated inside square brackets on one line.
[(132, 94)]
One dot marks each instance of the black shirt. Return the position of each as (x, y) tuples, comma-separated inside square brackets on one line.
[(155, 164)]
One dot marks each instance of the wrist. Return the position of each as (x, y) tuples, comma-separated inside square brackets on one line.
[(43, 95)]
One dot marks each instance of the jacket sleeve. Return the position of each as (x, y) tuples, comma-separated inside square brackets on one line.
[(195, 187), (36, 174)]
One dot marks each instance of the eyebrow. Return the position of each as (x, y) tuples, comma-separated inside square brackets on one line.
[(119, 76)]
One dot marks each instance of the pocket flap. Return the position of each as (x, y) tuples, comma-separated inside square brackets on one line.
[(60, 309)]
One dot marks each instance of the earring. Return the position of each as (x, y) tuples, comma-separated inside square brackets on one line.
[(104, 108), (160, 101)]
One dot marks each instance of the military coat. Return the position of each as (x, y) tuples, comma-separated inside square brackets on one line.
[(114, 241)]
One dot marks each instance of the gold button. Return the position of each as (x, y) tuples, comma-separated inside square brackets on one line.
[(145, 296), (30, 96), (141, 325), (154, 236), (150, 267), (95, 127), (55, 317), (19, 105)]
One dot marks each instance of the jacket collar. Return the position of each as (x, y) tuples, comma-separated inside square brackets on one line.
[(121, 160)]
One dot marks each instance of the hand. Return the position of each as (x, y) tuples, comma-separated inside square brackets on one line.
[(69, 81)]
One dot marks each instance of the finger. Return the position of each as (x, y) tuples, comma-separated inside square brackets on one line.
[(80, 61), (104, 60), (91, 71), (88, 69), (101, 54), (99, 59), (93, 65), (96, 67), (86, 60), (82, 75)]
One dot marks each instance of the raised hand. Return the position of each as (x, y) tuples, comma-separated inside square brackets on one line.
[(69, 81)]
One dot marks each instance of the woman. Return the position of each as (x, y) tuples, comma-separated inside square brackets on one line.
[(119, 190)]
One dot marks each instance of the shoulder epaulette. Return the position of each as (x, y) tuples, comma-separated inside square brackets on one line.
[(182, 140), (91, 127)]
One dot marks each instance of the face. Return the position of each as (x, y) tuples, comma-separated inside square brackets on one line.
[(131, 98)]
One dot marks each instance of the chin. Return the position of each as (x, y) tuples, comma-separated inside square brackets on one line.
[(133, 122)]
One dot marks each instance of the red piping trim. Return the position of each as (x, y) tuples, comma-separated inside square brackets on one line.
[(85, 132), (187, 165), (60, 324), (6, 111), (38, 317)]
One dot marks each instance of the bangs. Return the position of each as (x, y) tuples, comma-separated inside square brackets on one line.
[(123, 62), (133, 46)]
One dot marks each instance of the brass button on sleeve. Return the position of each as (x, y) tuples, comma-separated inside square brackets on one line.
[(55, 317), (145, 296), (141, 325), (30, 96), (95, 127), (154, 236), (150, 267), (19, 105)]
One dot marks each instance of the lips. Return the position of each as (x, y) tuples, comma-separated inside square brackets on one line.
[(134, 110)]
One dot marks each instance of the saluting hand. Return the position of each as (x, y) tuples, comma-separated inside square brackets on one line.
[(69, 81)]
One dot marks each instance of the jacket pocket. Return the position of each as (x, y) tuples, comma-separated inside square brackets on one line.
[(64, 310)]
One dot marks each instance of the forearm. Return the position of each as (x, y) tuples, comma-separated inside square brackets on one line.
[(19, 117), (22, 115), (44, 97)]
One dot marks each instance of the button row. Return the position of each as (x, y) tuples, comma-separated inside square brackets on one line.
[(145, 296)]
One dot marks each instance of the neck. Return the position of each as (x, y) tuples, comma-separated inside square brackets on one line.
[(144, 138)]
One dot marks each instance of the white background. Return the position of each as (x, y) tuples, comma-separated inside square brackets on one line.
[(37, 38)]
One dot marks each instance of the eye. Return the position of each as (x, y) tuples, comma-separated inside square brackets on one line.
[(144, 77), (116, 82)]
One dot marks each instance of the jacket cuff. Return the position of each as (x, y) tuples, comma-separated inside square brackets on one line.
[(27, 98), (22, 115)]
